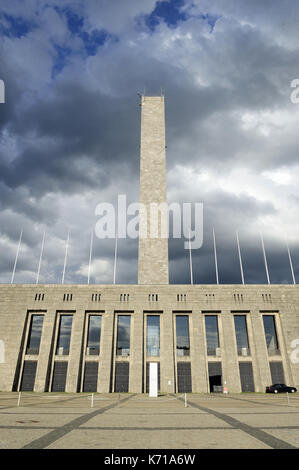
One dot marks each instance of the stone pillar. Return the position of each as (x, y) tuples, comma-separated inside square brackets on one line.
[(259, 353), (75, 352), (200, 380), (45, 351), (230, 363), (106, 353), (136, 353), (283, 350), (167, 378)]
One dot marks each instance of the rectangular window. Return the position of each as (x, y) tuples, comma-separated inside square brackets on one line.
[(241, 335), (123, 335), (182, 335), (35, 333), (212, 334), (246, 376), (94, 335), (59, 376), (153, 335), (184, 377), (121, 383), (277, 374), (90, 377), (64, 335), (270, 334), (28, 377)]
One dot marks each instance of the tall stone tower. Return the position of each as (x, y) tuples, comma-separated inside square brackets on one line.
[(153, 251)]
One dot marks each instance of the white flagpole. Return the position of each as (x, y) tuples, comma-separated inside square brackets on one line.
[(65, 257), (265, 258), (291, 263), (90, 254), (40, 258), (16, 259), (240, 258), (115, 256), (215, 255), (190, 261)]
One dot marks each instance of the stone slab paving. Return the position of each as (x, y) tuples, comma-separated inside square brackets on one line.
[(159, 439), (131, 421)]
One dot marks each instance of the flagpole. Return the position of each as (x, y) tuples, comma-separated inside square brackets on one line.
[(215, 256), (40, 258), (190, 261), (16, 259), (90, 254), (65, 257), (240, 258), (291, 263), (115, 256), (265, 258)]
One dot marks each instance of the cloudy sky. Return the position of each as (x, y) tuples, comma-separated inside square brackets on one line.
[(70, 128)]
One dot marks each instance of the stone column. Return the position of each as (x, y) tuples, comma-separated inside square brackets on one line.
[(106, 353), (200, 381), (283, 350), (75, 351), (167, 378), (45, 350), (230, 364), (259, 353), (136, 353)]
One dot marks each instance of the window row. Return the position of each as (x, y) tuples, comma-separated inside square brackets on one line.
[(122, 371), (182, 335)]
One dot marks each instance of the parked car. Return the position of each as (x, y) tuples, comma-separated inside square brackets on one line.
[(280, 388)]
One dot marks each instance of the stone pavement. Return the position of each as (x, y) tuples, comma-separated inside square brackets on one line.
[(129, 421)]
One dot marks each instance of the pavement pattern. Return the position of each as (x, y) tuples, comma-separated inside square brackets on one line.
[(131, 421)]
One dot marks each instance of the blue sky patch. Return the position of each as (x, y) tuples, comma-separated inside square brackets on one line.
[(74, 21), (61, 59), (92, 41), (14, 26), (210, 19), (169, 12)]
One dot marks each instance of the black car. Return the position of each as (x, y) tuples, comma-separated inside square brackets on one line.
[(280, 388)]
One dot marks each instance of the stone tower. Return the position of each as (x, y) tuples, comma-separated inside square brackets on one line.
[(153, 250)]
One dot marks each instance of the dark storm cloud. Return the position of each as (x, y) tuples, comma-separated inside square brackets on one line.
[(71, 135), (70, 127)]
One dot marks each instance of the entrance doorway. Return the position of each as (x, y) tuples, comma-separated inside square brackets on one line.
[(215, 376)]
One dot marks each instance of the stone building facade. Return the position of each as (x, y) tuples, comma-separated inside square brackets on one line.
[(205, 338)]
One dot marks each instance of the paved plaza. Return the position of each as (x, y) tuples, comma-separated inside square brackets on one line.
[(129, 421)]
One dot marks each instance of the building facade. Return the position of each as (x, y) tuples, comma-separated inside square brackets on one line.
[(101, 338)]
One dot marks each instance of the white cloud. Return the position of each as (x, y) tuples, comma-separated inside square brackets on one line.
[(101, 271)]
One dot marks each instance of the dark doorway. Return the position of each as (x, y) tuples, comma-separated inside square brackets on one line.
[(215, 376)]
